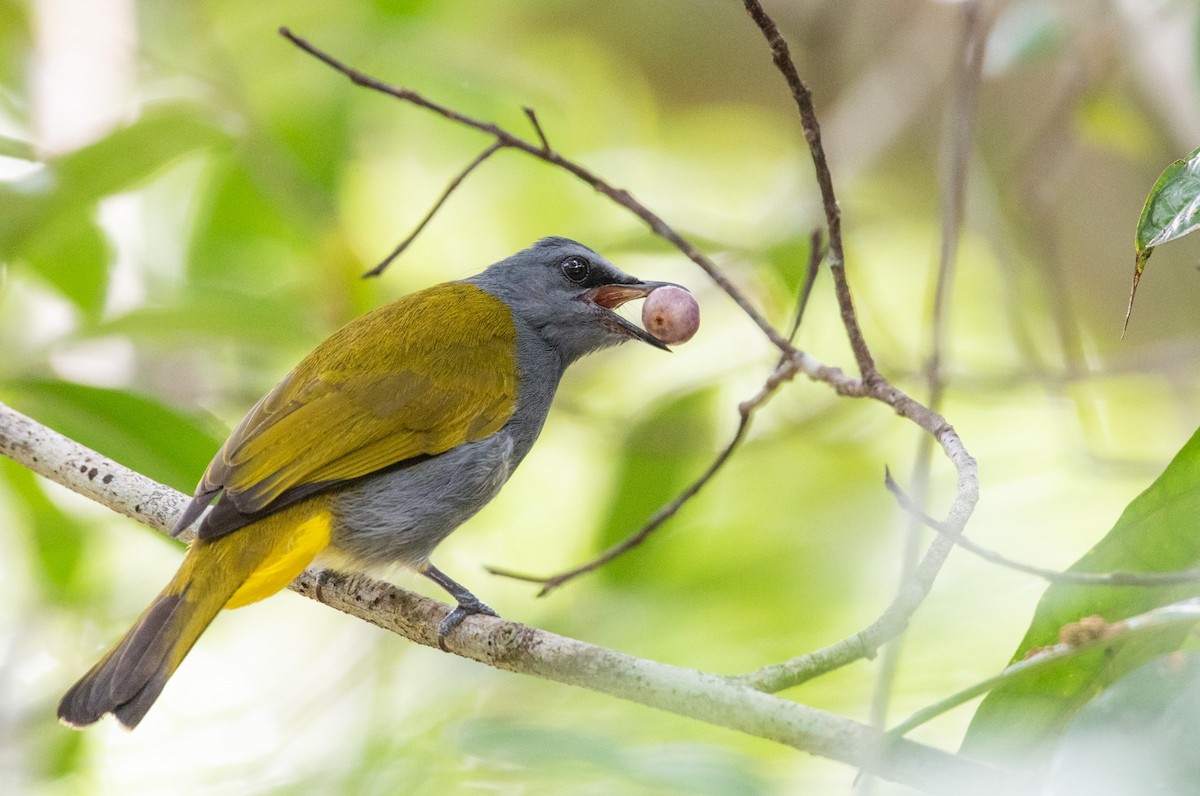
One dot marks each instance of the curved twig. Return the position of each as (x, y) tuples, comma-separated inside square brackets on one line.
[(541, 151)]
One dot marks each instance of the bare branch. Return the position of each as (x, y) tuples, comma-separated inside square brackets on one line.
[(520, 648), (816, 253), (912, 593), (1183, 613), (972, 46), (492, 149), (894, 619), (1119, 578), (873, 385), (531, 114), (619, 195), (833, 214)]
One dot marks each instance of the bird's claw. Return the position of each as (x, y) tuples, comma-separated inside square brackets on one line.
[(455, 618)]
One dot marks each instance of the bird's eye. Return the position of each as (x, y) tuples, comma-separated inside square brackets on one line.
[(575, 268)]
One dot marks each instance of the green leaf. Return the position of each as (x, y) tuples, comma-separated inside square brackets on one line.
[(134, 430), (57, 540), (1172, 210), (204, 316), (74, 182), (1141, 731), (72, 255), (15, 148), (664, 452), (1157, 532)]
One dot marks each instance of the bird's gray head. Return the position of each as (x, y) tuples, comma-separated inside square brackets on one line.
[(567, 293)]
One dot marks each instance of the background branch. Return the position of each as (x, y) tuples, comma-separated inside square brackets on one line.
[(492, 149), (976, 24), (520, 648), (746, 409), (1185, 613), (895, 617), (833, 214), (1123, 579)]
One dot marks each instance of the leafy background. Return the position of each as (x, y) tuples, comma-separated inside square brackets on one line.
[(186, 205)]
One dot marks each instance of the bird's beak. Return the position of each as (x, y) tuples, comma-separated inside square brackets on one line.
[(609, 297)]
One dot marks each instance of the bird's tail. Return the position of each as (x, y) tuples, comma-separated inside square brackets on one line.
[(230, 571)]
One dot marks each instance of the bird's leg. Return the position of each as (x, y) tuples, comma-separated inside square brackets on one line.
[(467, 603)]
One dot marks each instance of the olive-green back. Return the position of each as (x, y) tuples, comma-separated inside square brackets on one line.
[(417, 377)]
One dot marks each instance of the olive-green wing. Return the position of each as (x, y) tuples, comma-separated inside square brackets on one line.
[(417, 377)]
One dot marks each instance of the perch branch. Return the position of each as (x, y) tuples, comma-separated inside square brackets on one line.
[(518, 648)]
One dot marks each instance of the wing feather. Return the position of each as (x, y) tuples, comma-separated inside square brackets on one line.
[(415, 378)]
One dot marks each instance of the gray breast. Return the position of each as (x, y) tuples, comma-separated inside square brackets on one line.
[(399, 516)]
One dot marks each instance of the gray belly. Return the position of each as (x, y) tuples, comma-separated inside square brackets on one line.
[(399, 516)]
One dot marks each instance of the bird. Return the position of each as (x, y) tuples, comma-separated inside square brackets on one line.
[(383, 440)]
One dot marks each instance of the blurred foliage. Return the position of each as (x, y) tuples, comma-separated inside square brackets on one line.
[(1136, 737), (186, 205), (1018, 722)]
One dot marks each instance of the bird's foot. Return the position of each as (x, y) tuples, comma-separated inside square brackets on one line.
[(461, 611)]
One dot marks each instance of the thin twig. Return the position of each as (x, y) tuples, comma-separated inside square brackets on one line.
[(972, 46), (816, 253), (531, 114), (833, 214), (1119, 578), (746, 409), (784, 371), (492, 149), (1186, 612), (619, 195)]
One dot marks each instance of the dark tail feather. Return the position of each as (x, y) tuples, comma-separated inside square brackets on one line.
[(130, 677)]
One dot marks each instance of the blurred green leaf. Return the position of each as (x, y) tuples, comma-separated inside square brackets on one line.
[(1172, 210), (664, 451), (15, 45), (133, 430), (14, 148), (74, 182), (241, 234), (1157, 532), (685, 768), (202, 316), (1137, 737), (57, 539), (73, 255)]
